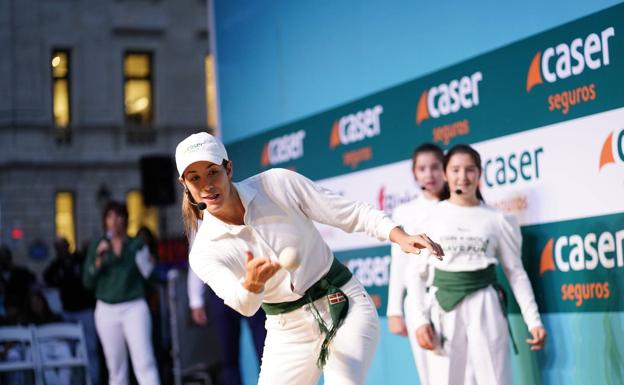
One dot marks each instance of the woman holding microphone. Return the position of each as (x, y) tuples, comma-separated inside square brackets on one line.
[(117, 267)]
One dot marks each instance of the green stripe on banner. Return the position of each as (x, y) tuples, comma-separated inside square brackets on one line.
[(372, 268), (565, 73), (576, 265)]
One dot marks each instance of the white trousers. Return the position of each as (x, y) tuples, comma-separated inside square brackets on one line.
[(127, 323), (421, 355), (294, 340), (475, 333)]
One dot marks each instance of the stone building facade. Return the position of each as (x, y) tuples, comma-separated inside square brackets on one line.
[(92, 145)]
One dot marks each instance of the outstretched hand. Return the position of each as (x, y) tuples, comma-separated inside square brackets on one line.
[(259, 270), (414, 243)]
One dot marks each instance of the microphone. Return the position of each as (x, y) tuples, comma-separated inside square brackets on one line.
[(201, 206), (107, 237)]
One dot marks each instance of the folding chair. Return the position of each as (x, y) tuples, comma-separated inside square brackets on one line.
[(62, 346), (19, 352)]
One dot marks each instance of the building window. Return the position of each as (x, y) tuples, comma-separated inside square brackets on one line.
[(138, 99), (139, 215), (61, 99), (211, 91), (64, 213)]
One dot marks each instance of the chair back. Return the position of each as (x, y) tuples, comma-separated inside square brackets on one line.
[(63, 345)]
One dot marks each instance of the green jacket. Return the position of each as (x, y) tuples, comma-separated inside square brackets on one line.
[(118, 278)]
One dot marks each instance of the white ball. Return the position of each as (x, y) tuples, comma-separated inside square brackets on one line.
[(289, 258)]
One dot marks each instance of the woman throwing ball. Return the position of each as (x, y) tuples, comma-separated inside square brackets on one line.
[(319, 317)]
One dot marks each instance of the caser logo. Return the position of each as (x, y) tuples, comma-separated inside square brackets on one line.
[(356, 127), (571, 59), (387, 202), (583, 252), (448, 98), (609, 152), (283, 149)]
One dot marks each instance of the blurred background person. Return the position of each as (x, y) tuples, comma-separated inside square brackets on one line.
[(427, 160), (117, 267), (65, 274), (155, 289), (55, 348), (16, 282)]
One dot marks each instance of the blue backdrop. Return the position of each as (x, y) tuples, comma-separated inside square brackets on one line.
[(281, 61)]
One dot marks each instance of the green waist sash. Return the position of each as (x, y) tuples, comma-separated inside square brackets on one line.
[(328, 286), (454, 286)]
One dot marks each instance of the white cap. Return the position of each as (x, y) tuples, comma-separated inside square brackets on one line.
[(200, 146)]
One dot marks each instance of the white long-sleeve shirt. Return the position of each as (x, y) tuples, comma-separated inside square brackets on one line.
[(409, 215), (280, 206), (474, 238), (195, 289)]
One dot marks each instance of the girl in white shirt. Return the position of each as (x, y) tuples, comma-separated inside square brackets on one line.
[(319, 318), (427, 160), (467, 314)]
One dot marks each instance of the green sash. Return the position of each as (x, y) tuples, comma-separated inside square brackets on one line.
[(454, 286), (328, 286)]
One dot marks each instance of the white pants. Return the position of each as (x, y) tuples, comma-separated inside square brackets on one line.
[(475, 332), (294, 340), (421, 355), (127, 323)]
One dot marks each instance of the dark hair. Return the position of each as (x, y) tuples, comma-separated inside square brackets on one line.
[(427, 147), (40, 315), (5, 254), (116, 207), (438, 153), (148, 238), (464, 149)]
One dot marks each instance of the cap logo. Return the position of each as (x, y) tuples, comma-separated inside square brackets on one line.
[(195, 147)]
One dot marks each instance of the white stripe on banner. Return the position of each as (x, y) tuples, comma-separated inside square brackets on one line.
[(384, 187), (554, 173), (568, 170)]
